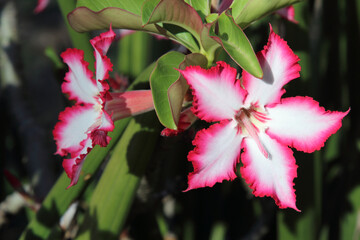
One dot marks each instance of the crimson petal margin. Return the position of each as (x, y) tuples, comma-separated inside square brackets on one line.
[(103, 64), (216, 153), (79, 83), (280, 66), (217, 93), (301, 123), (271, 177), (73, 127)]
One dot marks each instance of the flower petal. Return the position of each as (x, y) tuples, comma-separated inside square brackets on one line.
[(301, 123), (78, 81), (72, 131), (217, 93), (215, 156), (271, 176), (103, 64), (74, 165), (287, 13), (279, 64)]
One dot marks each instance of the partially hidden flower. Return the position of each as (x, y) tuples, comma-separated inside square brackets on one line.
[(251, 115), (88, 122), (41, 5), (287, 13)]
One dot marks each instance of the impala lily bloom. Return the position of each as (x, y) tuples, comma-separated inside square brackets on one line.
[(86, 124), (41, 5), (287, 13), (252, 116)]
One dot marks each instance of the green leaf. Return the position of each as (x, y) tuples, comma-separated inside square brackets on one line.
[(176, 92), (175, 12), (59, 198), (83, 19), (168, 86), (236, 44), (113, 195), (162, 77), (133, 6), (201, 6), (247, 11)]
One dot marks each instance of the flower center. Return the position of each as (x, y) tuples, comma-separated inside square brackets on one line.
[(250, 122)]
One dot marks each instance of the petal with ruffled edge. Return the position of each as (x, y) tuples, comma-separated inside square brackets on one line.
[(216, 153), (79, 83), (41, 5), (280, 65), (103, 64), (71, 132), (287, 13), (74, 165), (301, 123), (217, 93), (271, 176)]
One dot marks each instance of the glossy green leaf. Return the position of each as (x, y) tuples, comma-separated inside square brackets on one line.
[(236, 44), (247, 11), (59, 198), (116, 189), (162, 77), (201, 6), (133, 6), (176, 91), (175, 12), (169, 88), (83, 19)]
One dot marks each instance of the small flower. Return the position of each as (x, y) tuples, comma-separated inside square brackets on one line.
[(252, 116), (287, 13), (86, 124), (41, 5)]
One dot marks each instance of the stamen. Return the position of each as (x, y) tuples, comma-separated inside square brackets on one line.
[(244, 118)]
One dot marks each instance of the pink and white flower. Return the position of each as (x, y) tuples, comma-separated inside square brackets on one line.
[(41, 5), (287, 13), (251, 115), (86, 124)]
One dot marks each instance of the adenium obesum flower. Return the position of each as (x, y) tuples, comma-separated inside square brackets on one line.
[(41, 5), (251, 116), (287, 13), (86, 124)]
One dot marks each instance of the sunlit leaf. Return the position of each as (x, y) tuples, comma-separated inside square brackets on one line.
[(236, 44), (168, 87), (201, 6), (248, 11), (83, 19), (133, 6), (175, 12)]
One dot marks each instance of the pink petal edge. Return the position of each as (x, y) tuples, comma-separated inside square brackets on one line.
[(288, 13), (301, 123), (216, 153), (41, 5), (79, 82), (280, 66), (264, 175)]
